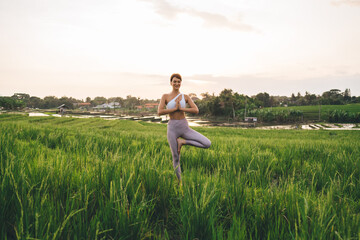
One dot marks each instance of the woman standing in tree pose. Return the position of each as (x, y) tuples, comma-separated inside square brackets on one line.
[(178, 131)]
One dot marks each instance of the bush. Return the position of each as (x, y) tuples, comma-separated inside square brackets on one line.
[(279, 116), (341, 116)]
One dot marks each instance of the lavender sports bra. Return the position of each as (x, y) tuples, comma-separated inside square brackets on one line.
[(172, 104)]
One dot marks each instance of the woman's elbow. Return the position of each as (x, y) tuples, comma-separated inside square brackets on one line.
[(160, 112)]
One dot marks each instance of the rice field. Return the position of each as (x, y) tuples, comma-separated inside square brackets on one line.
[(71, 178), (353, 108), (312, 112)]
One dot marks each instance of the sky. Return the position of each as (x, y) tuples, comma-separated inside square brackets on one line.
[(110, 48)]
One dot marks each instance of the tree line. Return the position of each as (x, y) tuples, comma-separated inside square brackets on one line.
[(232, 104), (23, 100), (227, 104)]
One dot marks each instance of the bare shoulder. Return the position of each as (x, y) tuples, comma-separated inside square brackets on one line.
[(187, 98), (165, 97)]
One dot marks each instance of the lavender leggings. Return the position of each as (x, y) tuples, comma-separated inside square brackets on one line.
[(180, 128)]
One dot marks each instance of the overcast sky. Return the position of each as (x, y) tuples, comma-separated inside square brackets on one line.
[(109, 48)]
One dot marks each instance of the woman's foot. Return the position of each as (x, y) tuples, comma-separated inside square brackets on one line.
[(180, 142)]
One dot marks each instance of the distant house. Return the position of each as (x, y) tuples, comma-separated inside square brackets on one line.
[(105, 106), (85, 105), (62, 108), (147, 106), (283, 104), (151, 105)]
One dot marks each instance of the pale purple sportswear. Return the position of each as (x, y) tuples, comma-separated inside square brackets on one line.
[(180, 128)]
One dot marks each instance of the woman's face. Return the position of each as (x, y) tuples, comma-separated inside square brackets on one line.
[(176, 83)]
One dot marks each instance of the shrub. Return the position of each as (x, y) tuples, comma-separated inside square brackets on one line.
[(342, 116), (268, 115)]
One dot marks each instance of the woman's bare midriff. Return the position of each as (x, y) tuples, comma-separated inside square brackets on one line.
[(177, 115)]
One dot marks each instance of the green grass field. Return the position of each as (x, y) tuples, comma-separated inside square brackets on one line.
[(312, 112), (69, 178)]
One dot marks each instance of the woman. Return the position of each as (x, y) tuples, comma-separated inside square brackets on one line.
[(178, 131)]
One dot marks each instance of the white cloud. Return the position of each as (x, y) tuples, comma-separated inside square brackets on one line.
[(210, 20), (347, 2), (199, 82)]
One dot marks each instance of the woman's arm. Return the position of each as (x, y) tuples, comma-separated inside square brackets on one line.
[(161, 108), (193, 108)]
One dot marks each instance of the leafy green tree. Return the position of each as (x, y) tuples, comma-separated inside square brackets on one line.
[(215, 107), (35, 102), (11, 103), (69, 102), (347, 95), (203, 104), (333, 96), (310, 99), (264, 99), (131, 102), (50, 102), (227, 102), (98, 101), (239, 101), (22, 97), (293, 99)]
